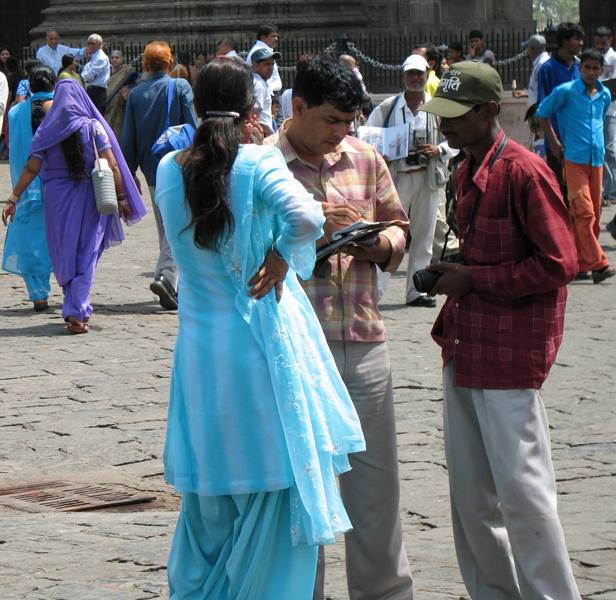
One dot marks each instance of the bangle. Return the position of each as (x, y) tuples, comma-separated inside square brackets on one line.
[(276, 252)]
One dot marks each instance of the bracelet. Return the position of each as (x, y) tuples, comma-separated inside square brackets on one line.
[(13, 199), (276, 252)]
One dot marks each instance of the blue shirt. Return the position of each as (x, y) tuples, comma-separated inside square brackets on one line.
[(97, 70), (146, 118), (23, 89), (581, 120), (552, 73)]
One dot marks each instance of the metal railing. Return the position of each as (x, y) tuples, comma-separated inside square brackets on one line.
[(379, 55)]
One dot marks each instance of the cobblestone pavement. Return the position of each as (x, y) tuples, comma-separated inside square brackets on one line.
[(92, 408)]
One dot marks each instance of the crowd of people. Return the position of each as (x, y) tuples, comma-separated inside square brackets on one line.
[(281, 431)]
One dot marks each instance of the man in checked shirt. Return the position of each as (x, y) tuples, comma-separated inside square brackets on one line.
[(352, 182), (499, 331)]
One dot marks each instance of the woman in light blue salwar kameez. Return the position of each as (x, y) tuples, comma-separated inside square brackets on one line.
[(260, 423), (25, 246)]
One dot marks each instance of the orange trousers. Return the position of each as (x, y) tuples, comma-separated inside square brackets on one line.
[(584, 189)]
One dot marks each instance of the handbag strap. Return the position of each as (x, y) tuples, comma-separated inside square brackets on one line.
[(97, 158), (170, 90)]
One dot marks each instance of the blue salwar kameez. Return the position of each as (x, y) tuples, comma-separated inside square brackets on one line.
[(260, 423), (25, 246)]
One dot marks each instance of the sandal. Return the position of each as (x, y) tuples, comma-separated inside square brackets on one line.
[(75, 326)]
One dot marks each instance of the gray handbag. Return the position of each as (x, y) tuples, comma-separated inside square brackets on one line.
[(103, 184)]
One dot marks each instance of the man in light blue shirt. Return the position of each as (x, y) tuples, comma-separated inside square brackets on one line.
[(580, 107), (96, 72), (51, 54)]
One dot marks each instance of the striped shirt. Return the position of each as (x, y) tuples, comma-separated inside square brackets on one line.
[(344, 291)]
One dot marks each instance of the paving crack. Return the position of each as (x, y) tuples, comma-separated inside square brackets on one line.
[(135, 462), (413, 386)]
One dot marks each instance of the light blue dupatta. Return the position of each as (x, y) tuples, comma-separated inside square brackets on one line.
[(319, 420)]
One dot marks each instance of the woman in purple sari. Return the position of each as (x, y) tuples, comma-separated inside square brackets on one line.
[(62, 153)]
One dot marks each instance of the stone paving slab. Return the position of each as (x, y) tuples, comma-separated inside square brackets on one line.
[(93, 408)]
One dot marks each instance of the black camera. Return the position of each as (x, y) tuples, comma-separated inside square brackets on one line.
[(424, 280), (416, 159)]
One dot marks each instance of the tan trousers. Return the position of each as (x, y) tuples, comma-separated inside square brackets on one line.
[(509, 541), (376, 562)]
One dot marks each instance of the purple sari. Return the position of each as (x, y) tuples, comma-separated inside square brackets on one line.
[(77, 234), (71, 110)]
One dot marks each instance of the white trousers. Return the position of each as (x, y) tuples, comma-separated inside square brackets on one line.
[(421, 205), (609, 168), (508, 537)]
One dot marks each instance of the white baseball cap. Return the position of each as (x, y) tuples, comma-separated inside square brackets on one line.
[(414, 62)]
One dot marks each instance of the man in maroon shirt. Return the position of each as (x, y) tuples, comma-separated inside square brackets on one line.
[(499, 330)]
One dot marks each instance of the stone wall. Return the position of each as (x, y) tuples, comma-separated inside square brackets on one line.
[(192, 20), (597, 12), (184, 20)]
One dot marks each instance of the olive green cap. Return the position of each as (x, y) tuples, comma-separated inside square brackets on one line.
[(463, 86)]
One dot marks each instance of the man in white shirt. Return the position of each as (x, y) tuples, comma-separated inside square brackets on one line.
[(263, 62), (535, 48), (603, 41), (268, 36), (227, 47), (4, 96), (421, 177), (96, 72), (51, 53)]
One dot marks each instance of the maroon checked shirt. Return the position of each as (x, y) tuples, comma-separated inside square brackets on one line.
[(505, 333)]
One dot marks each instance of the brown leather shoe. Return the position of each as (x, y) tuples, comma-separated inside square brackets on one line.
[(75, 326)]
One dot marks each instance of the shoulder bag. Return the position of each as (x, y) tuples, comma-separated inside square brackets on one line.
[(172, 138), (103, 183)]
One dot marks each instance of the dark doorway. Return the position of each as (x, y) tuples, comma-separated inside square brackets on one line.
[(17, 17)]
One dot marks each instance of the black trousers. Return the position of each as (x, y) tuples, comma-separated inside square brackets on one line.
[(557, 168), (98, 95)]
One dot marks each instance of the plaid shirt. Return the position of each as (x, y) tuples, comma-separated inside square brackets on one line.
[(345, 294), (505, 333)]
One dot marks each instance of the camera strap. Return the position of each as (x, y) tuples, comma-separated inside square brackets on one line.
[(477, 201)]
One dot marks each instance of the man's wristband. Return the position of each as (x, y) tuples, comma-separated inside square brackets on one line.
[(13, 199)]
